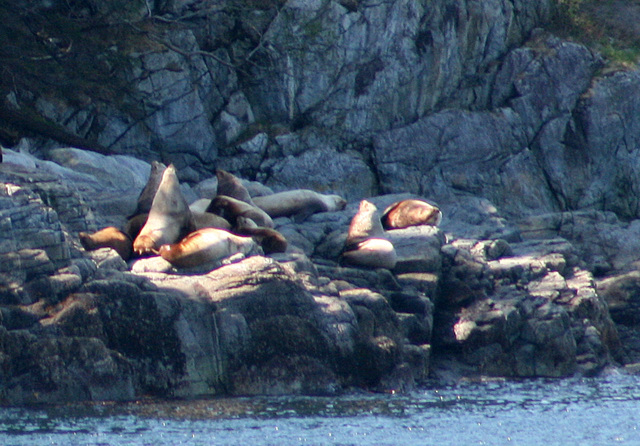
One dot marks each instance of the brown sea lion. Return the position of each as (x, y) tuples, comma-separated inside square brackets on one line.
[(145, 199), (412, 212), (366, 244), (230, 186), (169, 218), (299, 203), (200, 205), (209, 220), (269, 239), (109, 237), (205, 246), (230, 209), (134, 225)]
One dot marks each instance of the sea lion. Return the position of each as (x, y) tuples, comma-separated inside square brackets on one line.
[(230, 186), (231, 208), (200, 220), (366, 243), (169, 218), (269, 239), (109, 237), (299, 203), (145, 199), (209, 220), (200, 205), (412, 212), (365, 224), (205, 246), (134, 225), (372, 253)]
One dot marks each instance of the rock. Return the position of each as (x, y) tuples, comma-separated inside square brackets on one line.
[(235, 119), (601, 240), (532, 314), (603, 135), (108, 258), (54, 369), (385, 49), (620, 294), (294, 324), (417, 249), (326, 171), (114, 182)]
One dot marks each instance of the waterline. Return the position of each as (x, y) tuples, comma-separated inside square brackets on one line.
[(580, 411)]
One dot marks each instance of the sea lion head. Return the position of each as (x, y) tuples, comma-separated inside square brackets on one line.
[(221, 205), (169, 198), (365, 224), (337, 203), (231, 208), (245, 223), (170, 251), (411, 212), (269, 239), (231, 186)]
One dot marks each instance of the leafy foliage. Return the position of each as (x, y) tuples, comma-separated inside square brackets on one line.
[(611, 27)]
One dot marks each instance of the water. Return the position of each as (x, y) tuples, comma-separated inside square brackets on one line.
[(593, 411)]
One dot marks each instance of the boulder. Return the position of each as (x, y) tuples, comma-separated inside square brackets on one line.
[(533, 312)]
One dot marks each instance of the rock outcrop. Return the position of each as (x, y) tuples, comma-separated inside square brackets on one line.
[(528, 149), (88, 326)]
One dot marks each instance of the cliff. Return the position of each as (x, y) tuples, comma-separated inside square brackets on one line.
[(527, 147)]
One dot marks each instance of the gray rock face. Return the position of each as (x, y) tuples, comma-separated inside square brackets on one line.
[(513, 155), (531, 313), (36, 244), (604, 135), (386, 63), (204, 89)]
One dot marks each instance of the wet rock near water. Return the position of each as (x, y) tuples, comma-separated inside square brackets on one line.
[(533, 312)]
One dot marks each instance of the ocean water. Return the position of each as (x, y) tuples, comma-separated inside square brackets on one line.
[(577, 411)]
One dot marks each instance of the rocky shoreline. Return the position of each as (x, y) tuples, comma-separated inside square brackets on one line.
[(527, 142), (517, 299)]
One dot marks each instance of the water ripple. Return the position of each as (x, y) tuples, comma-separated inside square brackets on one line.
[(585, 411)]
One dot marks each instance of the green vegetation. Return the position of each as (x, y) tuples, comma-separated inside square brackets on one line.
[(611, 27)]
